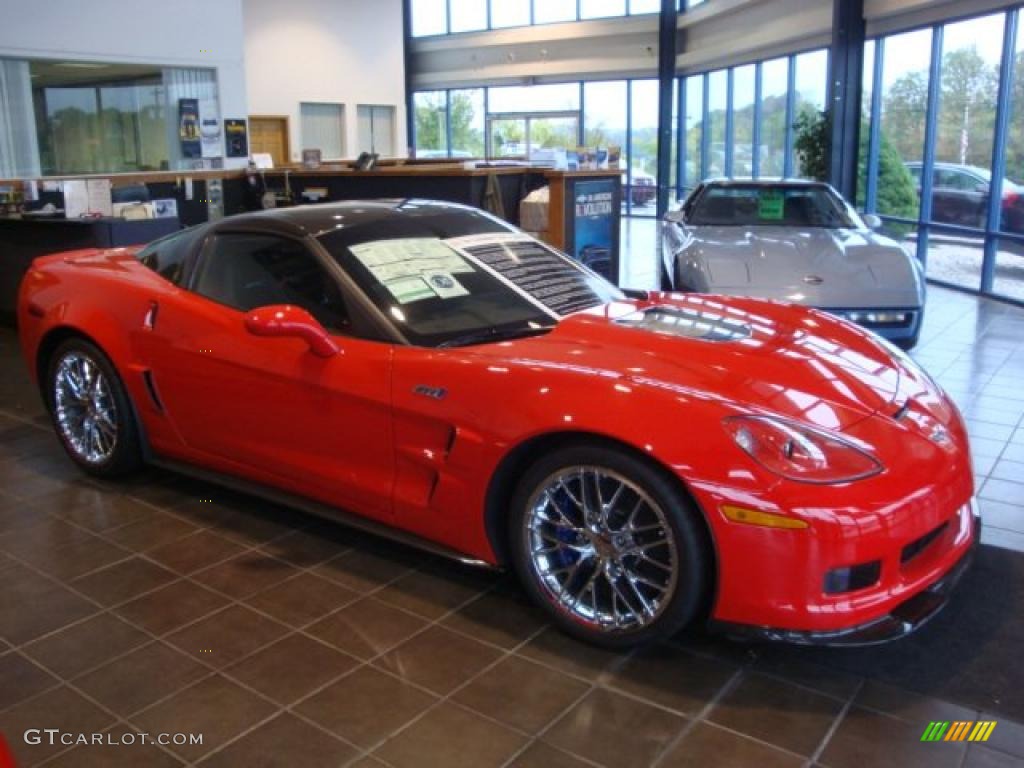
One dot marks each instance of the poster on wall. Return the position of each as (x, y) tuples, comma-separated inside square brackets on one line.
[(188, 128), (594, 225), (237, 138), (209, 129)]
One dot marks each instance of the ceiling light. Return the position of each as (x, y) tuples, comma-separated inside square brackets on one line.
[(80, 65)]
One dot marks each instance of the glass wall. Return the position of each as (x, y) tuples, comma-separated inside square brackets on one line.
[(718, 106), (738, 122), (466, 117), (641, 182), (943, 158), (431, 123), (692, 141), (743, 121), (771, 151), (516, 121)]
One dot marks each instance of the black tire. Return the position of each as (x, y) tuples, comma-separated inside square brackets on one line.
[(124, 455), (677, 606)]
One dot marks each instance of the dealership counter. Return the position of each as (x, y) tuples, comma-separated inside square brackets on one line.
[(583, 217)]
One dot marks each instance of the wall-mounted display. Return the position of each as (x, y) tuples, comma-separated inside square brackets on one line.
[(236, 138), (188, 128)]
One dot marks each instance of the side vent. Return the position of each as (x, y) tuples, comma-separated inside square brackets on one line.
[(433, 487), (147, 376)]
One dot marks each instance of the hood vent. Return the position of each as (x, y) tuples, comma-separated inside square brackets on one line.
[(688, 323)]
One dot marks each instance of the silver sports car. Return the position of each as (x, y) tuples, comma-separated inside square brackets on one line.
[(797, 241)]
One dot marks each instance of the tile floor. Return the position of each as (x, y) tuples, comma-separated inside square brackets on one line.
[(168, 606)]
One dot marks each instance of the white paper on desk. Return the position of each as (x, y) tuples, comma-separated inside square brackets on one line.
[(76, 198), (99, 196)]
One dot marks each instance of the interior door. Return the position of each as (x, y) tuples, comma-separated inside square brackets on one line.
[(267, 408), (269, 134)]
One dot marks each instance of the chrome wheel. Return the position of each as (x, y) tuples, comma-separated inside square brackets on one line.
[(84, 408), (602, 548)]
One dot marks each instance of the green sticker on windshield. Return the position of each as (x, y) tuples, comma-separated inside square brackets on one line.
[(771, 205)]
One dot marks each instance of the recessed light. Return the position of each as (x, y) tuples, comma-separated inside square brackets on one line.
[(80, 65)]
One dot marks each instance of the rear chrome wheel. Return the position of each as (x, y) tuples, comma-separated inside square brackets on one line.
[(609, 545), (602, 548), (84, 408), (90, 409)]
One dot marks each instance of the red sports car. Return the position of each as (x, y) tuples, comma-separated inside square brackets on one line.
[(422, 369)]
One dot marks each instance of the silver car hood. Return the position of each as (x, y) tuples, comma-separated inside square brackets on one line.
[(835, 268)]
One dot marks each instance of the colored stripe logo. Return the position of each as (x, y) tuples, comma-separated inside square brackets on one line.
[(959, 730)]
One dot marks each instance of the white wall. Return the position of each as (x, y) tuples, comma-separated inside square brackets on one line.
[(338, 51), (185, 33)]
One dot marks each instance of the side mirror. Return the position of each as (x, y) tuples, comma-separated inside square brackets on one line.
[(871, 221), (293, 322)]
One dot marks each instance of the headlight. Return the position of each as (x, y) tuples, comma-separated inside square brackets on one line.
[(873, 317), (800, 453)]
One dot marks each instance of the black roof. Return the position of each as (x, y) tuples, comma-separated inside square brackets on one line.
[(410, 217)]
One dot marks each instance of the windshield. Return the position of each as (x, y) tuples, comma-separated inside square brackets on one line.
[(467, 290), (760, 205)]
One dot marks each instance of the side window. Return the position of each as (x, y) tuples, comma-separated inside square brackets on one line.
[(248, 271), (167, 255)]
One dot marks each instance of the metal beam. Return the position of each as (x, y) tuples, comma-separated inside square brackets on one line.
[(846, 63), (729, 126), (666, 78), (995, 188), (874, 129), (755, 138), (680, 136), (924, 215), (410, 107)]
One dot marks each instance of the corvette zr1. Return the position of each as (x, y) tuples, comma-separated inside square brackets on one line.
[(642, 460)]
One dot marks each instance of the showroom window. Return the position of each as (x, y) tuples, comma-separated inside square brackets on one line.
[(691, 141), (943, 156), (772, 125), (375, 129), (431, 123), (323, 128), (720, 117), (75, 117), (441, 17), (467, 15), (742, 121), (515, 121), (739, 121)]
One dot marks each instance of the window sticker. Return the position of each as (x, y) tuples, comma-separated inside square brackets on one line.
[(409, 289), (445, 285), (535, 271), (771, 205), (414, 268)]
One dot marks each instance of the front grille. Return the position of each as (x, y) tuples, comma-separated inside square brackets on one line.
[(917, 546)]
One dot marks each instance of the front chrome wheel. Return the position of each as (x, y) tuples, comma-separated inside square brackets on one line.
[(85, 408), (601, 548)]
